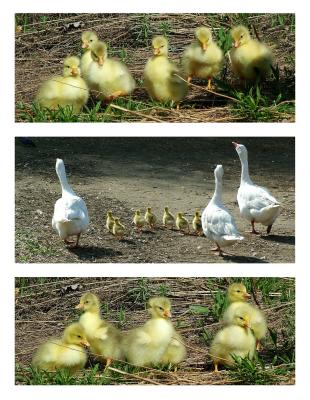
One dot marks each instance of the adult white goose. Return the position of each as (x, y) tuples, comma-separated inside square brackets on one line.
[(70, 212), (217, 223), (256, 204)]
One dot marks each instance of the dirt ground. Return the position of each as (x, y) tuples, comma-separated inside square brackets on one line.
[(44, 306), (125, 174), (43, 41)]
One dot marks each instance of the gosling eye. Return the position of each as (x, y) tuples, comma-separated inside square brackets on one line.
[(238, 291), (241, 36), (79, 336), (90, 40), (161, 309)]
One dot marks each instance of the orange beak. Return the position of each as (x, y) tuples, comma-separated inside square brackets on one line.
[(85, 343), (167, 314), (235, 144), (74, 71), (79, 306), (236, 43), (204, 47), (85, 45), (156, 52), (246, 296), (100, 62)]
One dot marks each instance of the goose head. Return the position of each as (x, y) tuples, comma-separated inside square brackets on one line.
[(71, 67), (160, 46), (99, 52), (219, 172), (88, 38), (74, 334), (241, 150), (204, 37), (237, 292), (159, 307), (240, 35), (89, 302)]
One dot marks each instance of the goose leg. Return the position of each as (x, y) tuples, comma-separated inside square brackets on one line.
[(218, 249), (269, 228), (258, 345), (189, 79), (108, 363), (254, 231), (216, 370), (77, 240), (209, 87)]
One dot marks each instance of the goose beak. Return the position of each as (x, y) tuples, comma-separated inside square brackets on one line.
[(84, 45), (204, 47), (246, 296), (79, 306), (167, 314), (235, 144), (74, 72), (236, 44), (156, 52), (85, 343)]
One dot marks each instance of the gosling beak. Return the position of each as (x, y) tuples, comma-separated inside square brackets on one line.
[(85, 343), (167, 314), (79, 306), (85, 45), (204, 47), (100, 62), (247, 322), (74, 72), (246, 296), (235, 144), (156, 52), (236, 43)]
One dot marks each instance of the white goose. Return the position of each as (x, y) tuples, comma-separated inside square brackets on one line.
[(217, 223), (70, 212), (256, 204)]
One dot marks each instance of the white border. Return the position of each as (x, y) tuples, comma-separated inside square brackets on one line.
[(9, 129)]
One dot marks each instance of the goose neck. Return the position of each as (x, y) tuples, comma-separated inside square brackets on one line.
[(65, 187), (245, 177), (217, 196)]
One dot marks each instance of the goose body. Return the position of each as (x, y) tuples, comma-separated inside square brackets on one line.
[(160, 75), (250, 59), (67, 352), (70, 212), (146, 345), (67, 90), (217, 223), (104, 338), (108, 76), (237, 296), (256, 203), (202, 59)]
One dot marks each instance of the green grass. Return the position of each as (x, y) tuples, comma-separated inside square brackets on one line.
[(30, 246)]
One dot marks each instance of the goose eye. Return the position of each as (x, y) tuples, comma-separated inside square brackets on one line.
[(161, 308), (79, 336)]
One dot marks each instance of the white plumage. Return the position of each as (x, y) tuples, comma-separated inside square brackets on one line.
[(217, 223), (70, 212), (256, 204)]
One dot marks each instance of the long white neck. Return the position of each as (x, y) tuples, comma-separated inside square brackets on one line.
[(245, 177), (61, 172), (217, 196)]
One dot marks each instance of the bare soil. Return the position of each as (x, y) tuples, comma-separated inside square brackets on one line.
[(125, 174)]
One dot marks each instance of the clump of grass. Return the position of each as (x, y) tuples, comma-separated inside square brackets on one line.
[(30, 245), (140, 293)]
